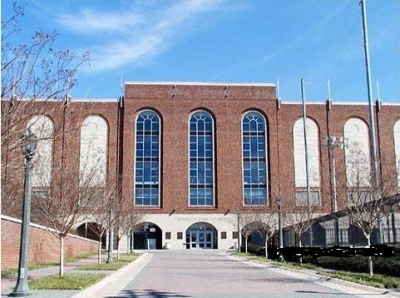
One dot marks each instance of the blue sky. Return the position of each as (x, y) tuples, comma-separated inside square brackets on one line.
[(258, 41)]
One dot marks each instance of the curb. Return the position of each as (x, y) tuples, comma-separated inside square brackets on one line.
[(114, 283), (330, 282)]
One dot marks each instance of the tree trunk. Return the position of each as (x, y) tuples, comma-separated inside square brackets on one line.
[(99, 252), (61, 272), (245, 245), (370, 264), (118, 239), (129, 244), (266, 246), (301, 256)]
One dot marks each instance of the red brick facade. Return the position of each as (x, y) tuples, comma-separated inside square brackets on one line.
[(227, 103), (44, 247)]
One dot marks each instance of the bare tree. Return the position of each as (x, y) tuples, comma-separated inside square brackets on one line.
[(101, 217), (127, 217), (267, 224), (300, 219), (369, 199), (30, 72), (67, 199), (247, 224)]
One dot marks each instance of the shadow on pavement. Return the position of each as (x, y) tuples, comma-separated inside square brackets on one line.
[(146, 293)]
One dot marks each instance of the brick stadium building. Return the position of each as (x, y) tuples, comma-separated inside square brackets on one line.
[(194, 156)]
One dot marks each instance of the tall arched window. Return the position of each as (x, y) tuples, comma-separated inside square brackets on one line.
[(254, 146), (147, 159), (93, 151), (396, 135), (201, 159), (313, 158), (43, 128), (357, 153)]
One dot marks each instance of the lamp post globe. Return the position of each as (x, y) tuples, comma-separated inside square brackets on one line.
[(28, 147)]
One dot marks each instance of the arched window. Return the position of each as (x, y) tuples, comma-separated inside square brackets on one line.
[(43, 128), (201, 160), (93, 151), (357, 153), (147, 159), (254, 146), (313, 158), (396, 135)]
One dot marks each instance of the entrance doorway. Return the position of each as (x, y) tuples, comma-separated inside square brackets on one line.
[(201, 235), (147, 236), (199, 239)]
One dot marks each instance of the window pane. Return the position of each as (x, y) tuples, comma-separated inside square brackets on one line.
[(201, 160), (254, 156), (147, 159)]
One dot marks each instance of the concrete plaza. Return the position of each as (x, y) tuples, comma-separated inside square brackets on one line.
[(211, 273)]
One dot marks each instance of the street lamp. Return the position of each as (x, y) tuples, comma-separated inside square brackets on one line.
[(332, 142), (28, 146), (280, 236), (110, 231)]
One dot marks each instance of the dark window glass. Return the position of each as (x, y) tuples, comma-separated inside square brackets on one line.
[(147, 163), (201, 160), (254, 159)]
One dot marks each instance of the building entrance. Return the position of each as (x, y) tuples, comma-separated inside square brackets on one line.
[(201, 235), (147, 236), (199, 239)]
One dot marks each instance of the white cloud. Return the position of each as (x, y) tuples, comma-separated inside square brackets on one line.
[(135, 37), (118, 54), (89, 21)]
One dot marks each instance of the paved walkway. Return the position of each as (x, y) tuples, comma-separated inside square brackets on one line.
[(201, 273), (7, 284), (213, 274)]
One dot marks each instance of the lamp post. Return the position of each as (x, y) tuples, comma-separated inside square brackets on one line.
[(110, 232), (332, 142), (28, 146), (372, 132), (280, 236)]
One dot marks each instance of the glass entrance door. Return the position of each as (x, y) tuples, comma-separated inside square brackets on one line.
[(201, 239)]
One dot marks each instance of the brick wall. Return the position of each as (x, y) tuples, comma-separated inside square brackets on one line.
[(43, 245)]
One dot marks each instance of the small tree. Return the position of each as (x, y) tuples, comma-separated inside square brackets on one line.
[(247, 225), (126, 219), (267, 226), (101, 219), (300, 219), (67, 200), (368, 196)]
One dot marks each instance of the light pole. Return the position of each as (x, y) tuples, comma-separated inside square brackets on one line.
[(280, 236), (238, 231), (110, 232), (28, 146), (332, 142), (372, 132)]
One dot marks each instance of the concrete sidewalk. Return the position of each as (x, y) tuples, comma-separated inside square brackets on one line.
[(333, 283), (116, 281), (97, 290)]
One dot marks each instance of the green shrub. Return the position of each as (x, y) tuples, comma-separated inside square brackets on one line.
[(253, 249), (387, 266)]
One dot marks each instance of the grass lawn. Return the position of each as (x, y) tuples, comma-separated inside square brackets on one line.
[(9, 272), (123, 260), (377, 280), (73, 281), (66, 282)]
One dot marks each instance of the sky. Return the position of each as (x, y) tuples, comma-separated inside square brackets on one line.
[(227, 41)]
